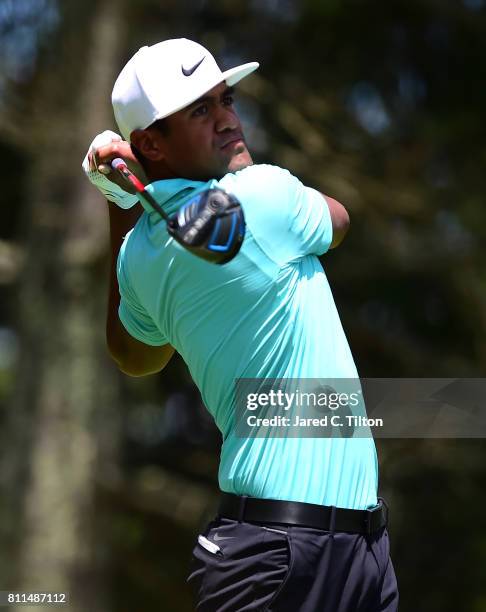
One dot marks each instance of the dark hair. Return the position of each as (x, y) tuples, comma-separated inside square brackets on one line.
[(162, 126), (138, 155)]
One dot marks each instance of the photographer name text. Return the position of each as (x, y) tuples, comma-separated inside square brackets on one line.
[(325, 421)]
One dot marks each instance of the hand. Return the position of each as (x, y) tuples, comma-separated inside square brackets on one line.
[(96, 165)]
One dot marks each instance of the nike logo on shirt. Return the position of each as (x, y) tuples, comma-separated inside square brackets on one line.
[(189, 71), (218, 538)]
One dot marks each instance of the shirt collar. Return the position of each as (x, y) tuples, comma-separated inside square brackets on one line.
[(169, 193)]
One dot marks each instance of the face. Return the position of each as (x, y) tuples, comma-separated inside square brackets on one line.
[(204, 140)]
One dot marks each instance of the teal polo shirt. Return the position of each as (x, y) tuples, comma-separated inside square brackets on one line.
[(269, 313)]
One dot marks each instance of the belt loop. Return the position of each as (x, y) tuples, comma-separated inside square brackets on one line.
[(367, 522), (385, 506), (242, 508), (333, 520)]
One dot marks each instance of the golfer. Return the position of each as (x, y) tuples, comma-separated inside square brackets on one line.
[(300, 526)]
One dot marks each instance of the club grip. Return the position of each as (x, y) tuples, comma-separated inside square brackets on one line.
[(120, 165)]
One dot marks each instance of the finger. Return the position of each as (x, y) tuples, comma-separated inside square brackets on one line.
[(94, 158), (108, 151), (91, 165), (104, 168)]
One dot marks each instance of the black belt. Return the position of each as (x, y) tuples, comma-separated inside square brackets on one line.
[(255, 510)]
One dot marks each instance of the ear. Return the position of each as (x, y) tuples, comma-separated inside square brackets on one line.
[(149, 144)]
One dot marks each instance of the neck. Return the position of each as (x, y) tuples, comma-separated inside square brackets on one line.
[(157, 171)]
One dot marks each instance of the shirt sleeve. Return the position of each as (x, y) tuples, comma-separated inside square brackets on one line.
[(134, 317), (286, 218), (310, 222)]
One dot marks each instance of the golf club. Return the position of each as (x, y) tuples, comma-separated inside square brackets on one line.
[(211, 225)]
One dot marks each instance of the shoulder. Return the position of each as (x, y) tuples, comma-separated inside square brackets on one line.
[(258, 172), (133, 246), (262, 184), (126, 245)]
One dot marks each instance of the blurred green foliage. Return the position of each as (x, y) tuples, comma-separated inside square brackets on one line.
[(380, 105)]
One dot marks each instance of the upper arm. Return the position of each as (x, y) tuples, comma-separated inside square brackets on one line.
[(135, 341), (136, 358), (339, 219)]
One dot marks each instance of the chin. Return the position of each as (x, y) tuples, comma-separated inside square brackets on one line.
[(239, 162)]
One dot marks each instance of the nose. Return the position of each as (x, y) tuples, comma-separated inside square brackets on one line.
[(226, 119)]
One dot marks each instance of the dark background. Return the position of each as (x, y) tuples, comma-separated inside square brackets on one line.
[(105, 480)]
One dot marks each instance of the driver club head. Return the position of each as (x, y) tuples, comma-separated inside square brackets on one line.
[(211, 225)]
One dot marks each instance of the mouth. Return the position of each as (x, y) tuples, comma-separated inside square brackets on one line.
[(232, 141)]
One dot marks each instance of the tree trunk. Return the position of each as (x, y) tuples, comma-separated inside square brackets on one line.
[(64, 419)]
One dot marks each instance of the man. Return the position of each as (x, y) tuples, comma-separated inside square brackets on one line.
[(300, 527)]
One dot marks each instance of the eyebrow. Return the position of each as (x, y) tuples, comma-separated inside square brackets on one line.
[(227, 92)]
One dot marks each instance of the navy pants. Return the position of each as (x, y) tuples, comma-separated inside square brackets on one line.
[(238, 567)]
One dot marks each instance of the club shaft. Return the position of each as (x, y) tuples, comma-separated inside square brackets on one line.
[(121, 167)]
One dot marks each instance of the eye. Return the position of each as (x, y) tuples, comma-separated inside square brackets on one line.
[(228, 100), (200, 111)]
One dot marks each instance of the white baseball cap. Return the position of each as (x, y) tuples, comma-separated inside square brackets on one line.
[(164, 78)]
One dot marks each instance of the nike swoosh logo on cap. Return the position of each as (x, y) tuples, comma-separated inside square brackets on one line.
[(189, 71)]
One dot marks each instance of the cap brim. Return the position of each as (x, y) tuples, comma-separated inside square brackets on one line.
[(234, 75)]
